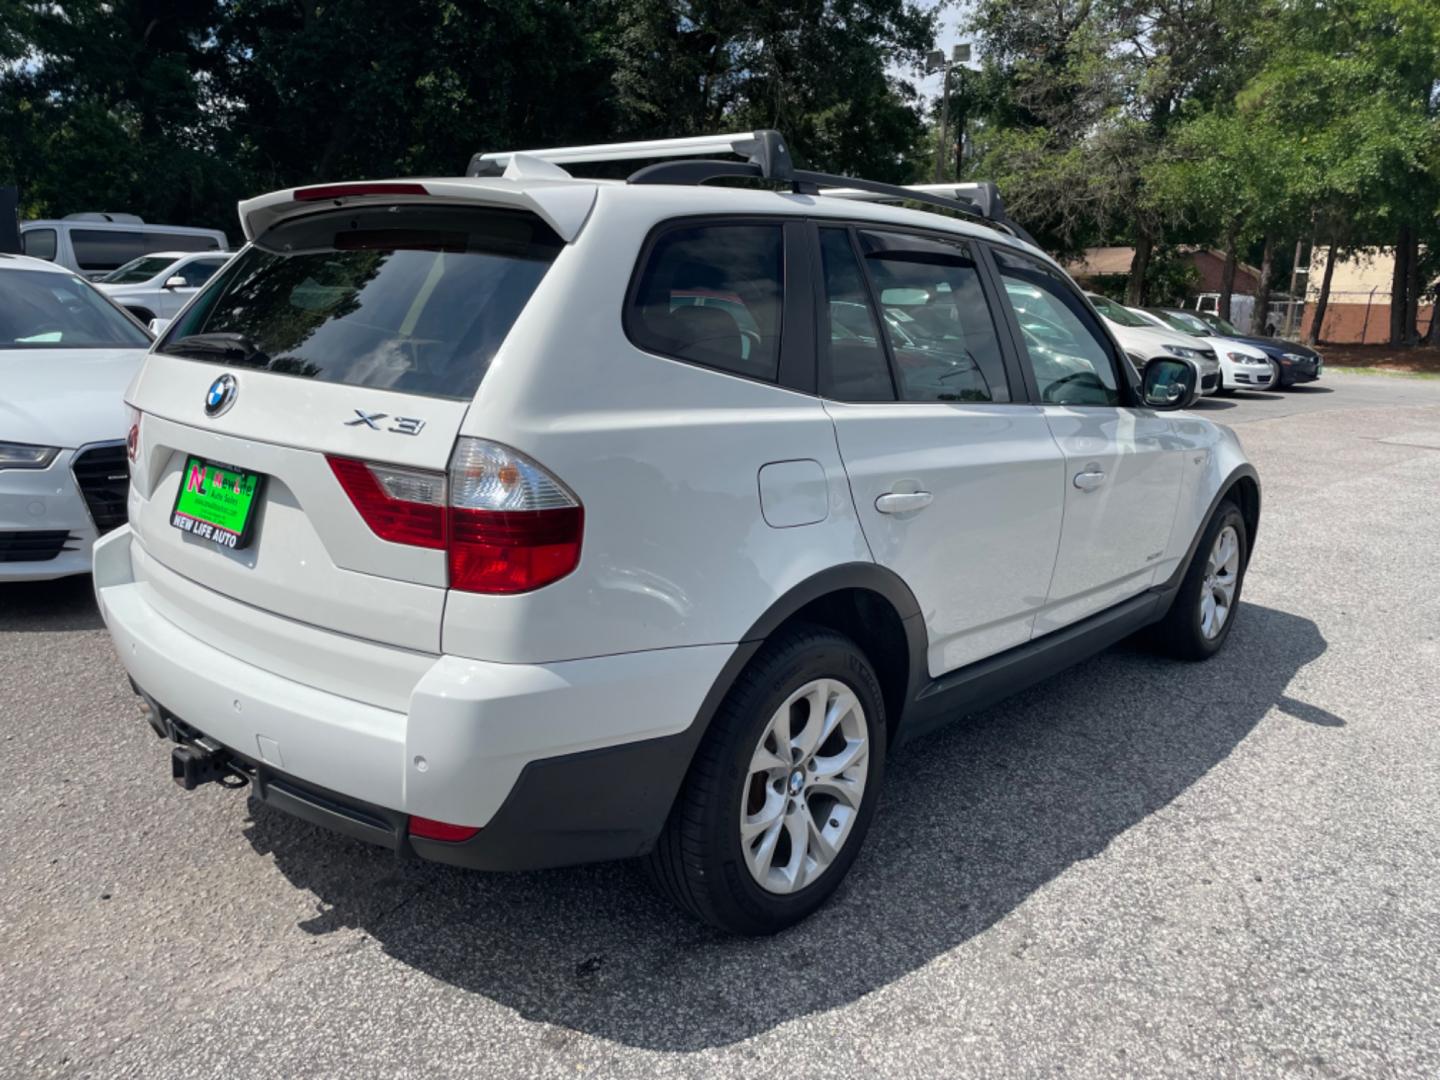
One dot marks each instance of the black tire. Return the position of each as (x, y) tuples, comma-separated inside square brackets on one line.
[(1222, 390), (698, 861), (1179, 633)]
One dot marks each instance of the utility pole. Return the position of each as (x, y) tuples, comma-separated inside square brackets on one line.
[(937, 61)]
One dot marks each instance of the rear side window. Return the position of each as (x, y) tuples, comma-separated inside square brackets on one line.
[(157, 241), (416, 300), (105, 249), (855, 367), (39, 243), (712, 295)]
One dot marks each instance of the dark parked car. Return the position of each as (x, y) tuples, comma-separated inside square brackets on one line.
[(1293, 362)]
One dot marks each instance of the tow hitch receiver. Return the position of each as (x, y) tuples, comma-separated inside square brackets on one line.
[(195, 763)]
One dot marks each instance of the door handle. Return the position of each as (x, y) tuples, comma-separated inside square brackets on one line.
[(1090, 479), (900, 502)]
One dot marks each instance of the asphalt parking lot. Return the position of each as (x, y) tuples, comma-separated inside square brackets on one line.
[(1137, 868)]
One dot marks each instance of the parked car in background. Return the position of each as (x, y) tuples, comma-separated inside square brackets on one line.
[(1290, 362), (94, 244), (1143, 341), (520, 519), (1242, 366), (66, 355), (158, 286)]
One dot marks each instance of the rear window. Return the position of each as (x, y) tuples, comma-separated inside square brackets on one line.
[(158, 241), (711, 294), (416, 300)]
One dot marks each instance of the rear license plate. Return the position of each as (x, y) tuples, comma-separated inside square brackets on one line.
[(216, 503)]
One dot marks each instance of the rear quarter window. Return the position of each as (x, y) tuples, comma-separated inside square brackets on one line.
[(105, 249), (416, 300), (711, 294)]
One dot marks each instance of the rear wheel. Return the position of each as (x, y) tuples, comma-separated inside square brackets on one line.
[(782, 790), (1204, 610)]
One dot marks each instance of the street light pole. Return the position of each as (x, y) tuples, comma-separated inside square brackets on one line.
[(937, 61)]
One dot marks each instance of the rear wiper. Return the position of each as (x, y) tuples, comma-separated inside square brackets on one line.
[(235, 347)]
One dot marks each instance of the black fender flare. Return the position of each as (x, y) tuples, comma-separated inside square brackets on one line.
[(1244, 471)]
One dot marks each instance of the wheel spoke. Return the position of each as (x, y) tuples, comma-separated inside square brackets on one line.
[(808, 737), (769, 814), (767, 761), (794, 871), (763, 853), (820, 847)]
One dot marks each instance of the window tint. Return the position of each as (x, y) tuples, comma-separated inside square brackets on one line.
[(416, 300), (855, 367), (711, 294), (105, 249), (198, 272), (1067, 350), (39, 243), (157, 241), (936, 318), (40, 309)]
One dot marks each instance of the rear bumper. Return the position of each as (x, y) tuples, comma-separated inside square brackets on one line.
[(555, 763)]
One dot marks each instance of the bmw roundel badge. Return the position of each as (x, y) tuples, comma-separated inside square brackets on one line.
[(221, 395)]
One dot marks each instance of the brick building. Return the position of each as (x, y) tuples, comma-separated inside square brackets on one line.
[(1359, 307), (1102, 263)]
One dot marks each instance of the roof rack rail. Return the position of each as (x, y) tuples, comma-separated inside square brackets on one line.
[(766, 158), (763, 148)]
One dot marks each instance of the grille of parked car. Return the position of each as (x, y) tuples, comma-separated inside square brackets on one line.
[(33, 545), (103, 476)]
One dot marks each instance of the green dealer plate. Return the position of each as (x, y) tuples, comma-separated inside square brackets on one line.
[(217, 502)]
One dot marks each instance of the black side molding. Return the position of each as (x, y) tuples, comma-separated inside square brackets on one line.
[(997, 677)]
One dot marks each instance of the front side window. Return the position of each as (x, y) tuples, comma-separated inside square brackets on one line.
[(936, 318), (39, 243), (413, 299), (198, 272), (40, 309), (712, 295), (1067, 350)]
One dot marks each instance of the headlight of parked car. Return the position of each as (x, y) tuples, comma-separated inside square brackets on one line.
[(1246, 358), (23, 456), (1294, 358), (1183, 352)]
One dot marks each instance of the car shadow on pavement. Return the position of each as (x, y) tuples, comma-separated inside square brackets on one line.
[(65, 604), (975, 818)]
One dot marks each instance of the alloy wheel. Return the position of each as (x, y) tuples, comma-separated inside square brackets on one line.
[(805, 784), (1222, 575)]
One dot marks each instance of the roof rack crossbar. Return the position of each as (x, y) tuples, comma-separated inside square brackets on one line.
[(765, 149)]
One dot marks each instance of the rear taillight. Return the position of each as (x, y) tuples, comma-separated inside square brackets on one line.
[(506, 524), (513, 526), (404, 506), (132, 437)]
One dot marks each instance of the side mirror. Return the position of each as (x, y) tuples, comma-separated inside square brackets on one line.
[(157, 326), (1169, 384), (176, 282)]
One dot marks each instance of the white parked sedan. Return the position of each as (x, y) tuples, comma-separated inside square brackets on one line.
[(157, 286), (1142, 341), (1242, 365), (66, 356)]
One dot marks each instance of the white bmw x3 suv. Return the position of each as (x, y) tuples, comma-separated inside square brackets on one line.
[(519, 520)]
